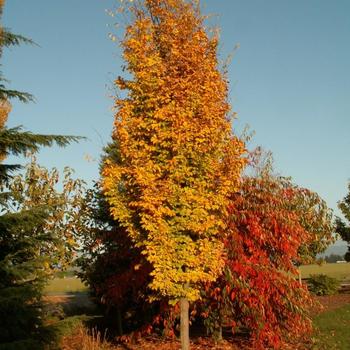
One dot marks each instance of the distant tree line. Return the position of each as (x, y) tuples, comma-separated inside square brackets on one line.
[(333, 258)]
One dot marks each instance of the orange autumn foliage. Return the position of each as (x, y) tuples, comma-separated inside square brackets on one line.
[(179, 159), (5, 109)]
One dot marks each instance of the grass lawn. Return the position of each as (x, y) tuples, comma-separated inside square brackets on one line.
[(333, 329), (65, 285), (73, 284), (339, 271)]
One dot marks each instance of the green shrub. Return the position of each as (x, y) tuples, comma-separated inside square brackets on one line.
[(321, 284)]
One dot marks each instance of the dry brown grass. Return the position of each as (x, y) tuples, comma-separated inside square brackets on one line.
[(82, 339)]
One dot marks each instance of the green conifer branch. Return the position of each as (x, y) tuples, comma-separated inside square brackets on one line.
[(8, 39)]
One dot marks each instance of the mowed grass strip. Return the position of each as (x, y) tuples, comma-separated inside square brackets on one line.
[(65, 285), (332, 329), (339, 271)]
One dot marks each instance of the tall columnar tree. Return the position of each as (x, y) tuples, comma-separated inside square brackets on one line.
[(343, 226), (178, 157)]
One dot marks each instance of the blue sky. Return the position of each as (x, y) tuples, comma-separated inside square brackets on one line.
[(289, 80)]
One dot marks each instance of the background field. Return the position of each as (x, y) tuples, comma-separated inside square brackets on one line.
[(65, 285), (73, 284), (339, 271)]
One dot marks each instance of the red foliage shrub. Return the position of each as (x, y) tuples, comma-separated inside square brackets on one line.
[(259, 291)]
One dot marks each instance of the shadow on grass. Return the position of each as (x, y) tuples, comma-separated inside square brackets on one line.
[(67, 314), (62, 315), (48, 337)]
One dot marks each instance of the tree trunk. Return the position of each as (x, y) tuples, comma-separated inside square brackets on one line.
[(119, 322), (184, 324), (299, 272), (218, 334)]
